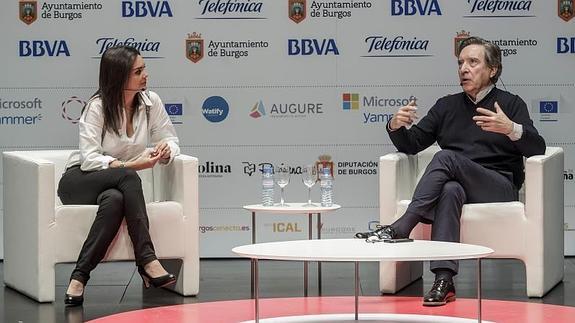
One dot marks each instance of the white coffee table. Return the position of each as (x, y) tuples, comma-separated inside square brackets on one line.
[(357, 250), (293, 209)]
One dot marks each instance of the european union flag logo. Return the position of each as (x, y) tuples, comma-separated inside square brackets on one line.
[(174, 109), (548, 107)]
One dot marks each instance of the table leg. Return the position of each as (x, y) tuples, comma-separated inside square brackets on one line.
[(253, 241), (256, 289), (479, 290), (319, 262), (305, 263), (356, 289)]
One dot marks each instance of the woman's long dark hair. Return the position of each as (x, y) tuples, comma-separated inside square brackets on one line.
[(115, 67)]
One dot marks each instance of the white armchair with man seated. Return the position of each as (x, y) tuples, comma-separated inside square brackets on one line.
[(40, 232), (530, 230)]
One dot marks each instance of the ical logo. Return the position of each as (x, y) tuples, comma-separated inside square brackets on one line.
[(28, 11), (194, 47), (297, 10), (215, 109), (74, 103)]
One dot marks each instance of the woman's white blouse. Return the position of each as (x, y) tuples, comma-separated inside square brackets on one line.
[(97, 154)]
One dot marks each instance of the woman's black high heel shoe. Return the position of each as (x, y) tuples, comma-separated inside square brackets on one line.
[(71, 300), (161, 281)]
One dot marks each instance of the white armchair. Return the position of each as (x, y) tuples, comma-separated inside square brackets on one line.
[(40, 232), (530, 230)]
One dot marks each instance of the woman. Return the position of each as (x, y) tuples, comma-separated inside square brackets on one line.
[(116, 126)]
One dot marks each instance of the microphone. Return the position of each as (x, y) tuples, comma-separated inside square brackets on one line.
[(137, 90)]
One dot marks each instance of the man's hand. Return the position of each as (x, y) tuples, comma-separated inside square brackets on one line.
[(404, 117), (494, 121)]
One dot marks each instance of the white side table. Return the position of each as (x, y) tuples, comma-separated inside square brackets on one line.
[(356, 250), (292, 209)]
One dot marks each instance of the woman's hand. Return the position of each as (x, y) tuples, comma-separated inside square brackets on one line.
[(147, 159), (162, 150)]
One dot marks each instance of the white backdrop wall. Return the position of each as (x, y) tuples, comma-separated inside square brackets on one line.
[(270, 89)]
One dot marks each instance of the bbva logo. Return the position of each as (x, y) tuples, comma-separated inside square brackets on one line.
[(307, 46), (565, 45), (146, 8), (38, 48), (413, 7)]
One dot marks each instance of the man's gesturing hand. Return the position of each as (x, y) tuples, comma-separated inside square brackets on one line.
[(494, 121)]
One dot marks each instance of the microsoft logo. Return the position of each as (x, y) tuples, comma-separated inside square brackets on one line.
[(350, 101)]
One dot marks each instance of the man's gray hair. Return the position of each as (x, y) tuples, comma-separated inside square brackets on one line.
[(492, 54)]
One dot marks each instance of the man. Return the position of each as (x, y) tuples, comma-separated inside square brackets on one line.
[(484, 134)]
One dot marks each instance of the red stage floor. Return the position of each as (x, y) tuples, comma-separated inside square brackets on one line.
[(243, 310)]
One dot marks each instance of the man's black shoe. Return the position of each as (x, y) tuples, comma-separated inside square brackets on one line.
[(382, 232), (441, 293)]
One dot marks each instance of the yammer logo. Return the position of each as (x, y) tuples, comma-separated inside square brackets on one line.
[(215, 109)]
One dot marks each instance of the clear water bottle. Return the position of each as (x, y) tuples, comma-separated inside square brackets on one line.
[(326, 185), (267, 186)]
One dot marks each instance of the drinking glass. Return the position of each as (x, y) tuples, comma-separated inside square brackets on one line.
[(309, 177), (282, 175)]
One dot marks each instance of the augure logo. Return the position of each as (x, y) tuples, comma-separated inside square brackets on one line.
[(28, 11), (146, 9), (415, 7), (37, 48), (258, 110), (194, 47), (72, 109), (297, 10)]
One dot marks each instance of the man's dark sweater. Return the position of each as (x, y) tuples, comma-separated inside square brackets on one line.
[(450, 123)]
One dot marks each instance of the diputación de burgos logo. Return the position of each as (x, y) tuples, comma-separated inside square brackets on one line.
[(60, 11), (357, 167), (499, 8), (20, 112), (228, 9), (196, 46), (72, 109), (215, 109)]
